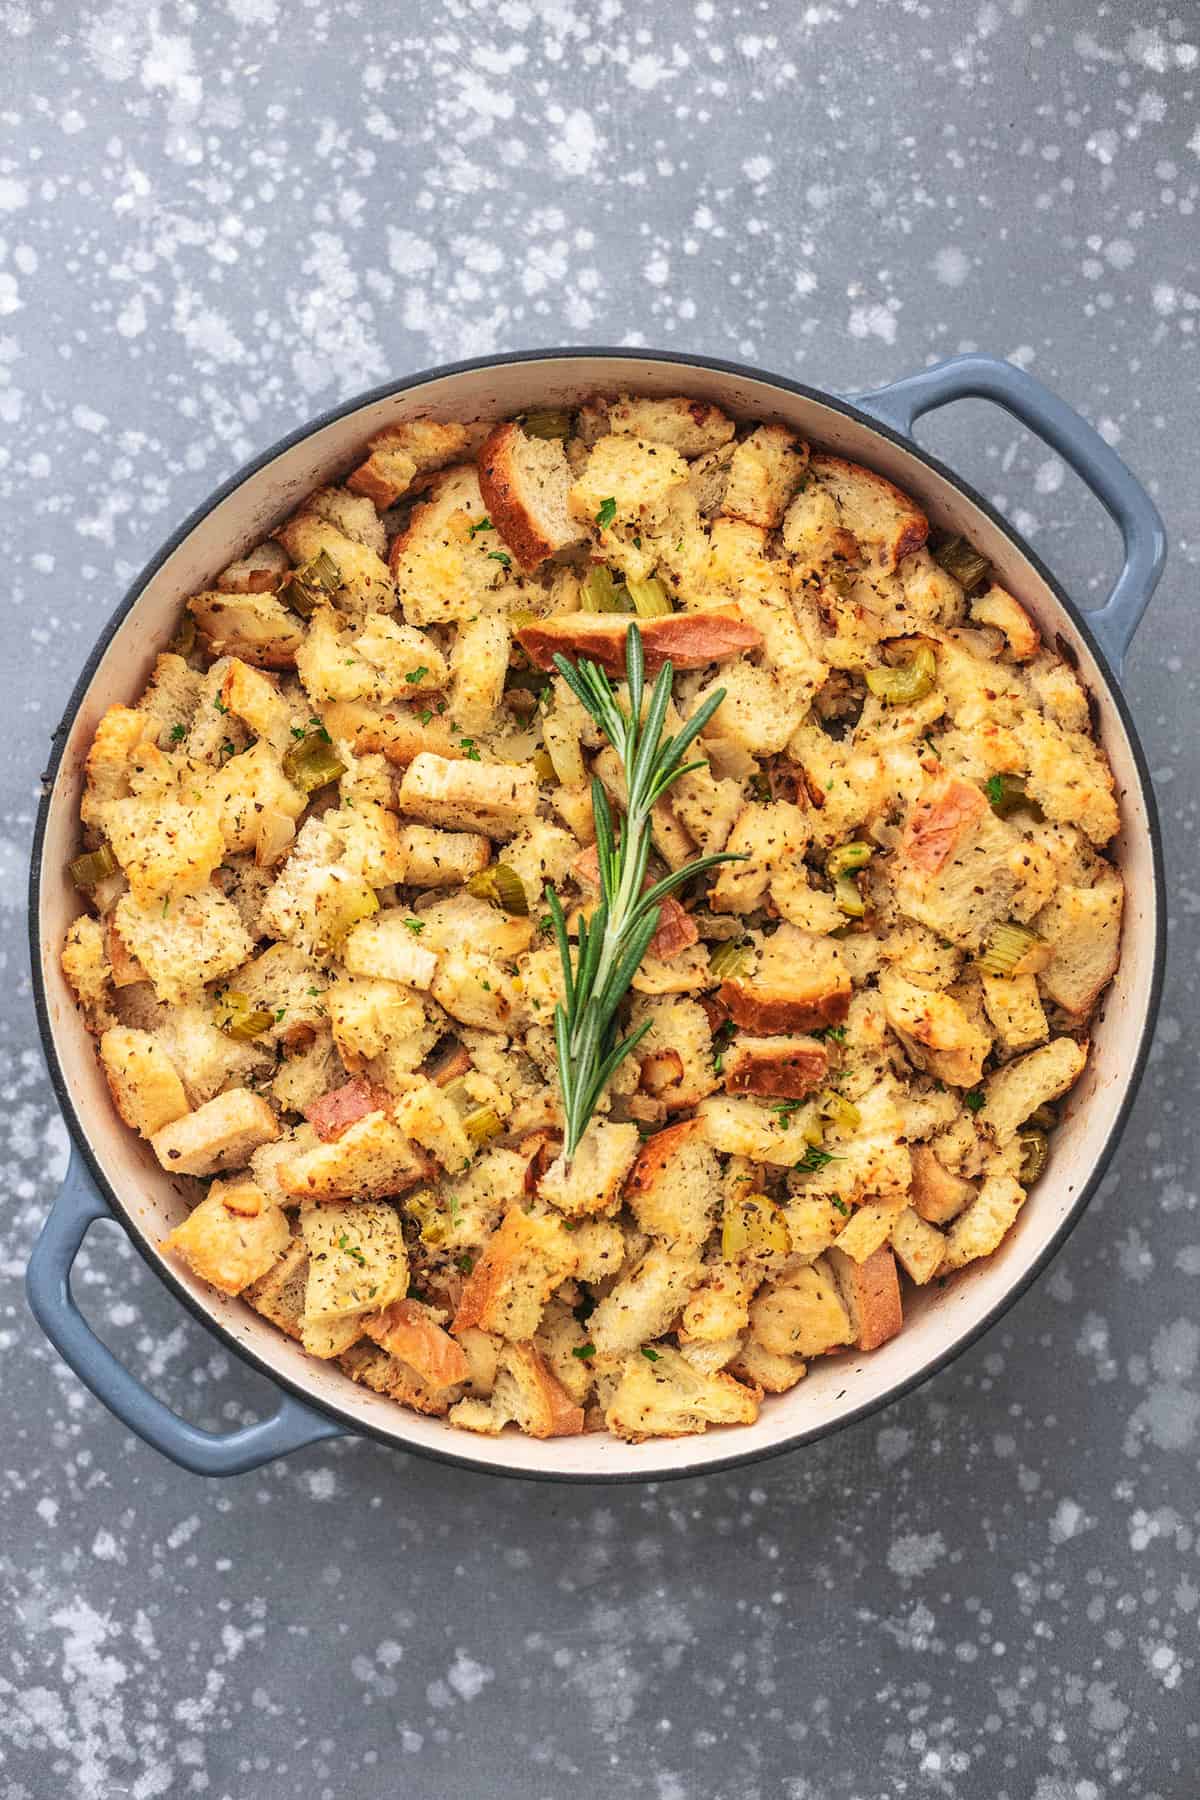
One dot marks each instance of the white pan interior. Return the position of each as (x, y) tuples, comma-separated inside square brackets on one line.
[(937, 1319)]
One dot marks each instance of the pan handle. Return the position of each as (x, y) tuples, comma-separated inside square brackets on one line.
[(48, 1287), (1079, 444)]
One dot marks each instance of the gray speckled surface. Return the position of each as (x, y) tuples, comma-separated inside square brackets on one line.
[(220, 218)]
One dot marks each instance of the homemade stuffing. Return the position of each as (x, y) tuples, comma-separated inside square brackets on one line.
[(320, 966)]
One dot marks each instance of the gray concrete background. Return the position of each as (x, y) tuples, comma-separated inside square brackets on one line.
[(220, 218)]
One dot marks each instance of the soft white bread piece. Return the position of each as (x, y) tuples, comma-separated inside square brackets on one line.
[(365, 1362), (1082, 926), (674, 1186), (869, 1226), (380, 1021), (643, 1303), (495, 799), (464, 922), (476, 990), (165, 846), (770, 836), (221, 1134), (802, 1315), (525, 1393), (997, 607), (764, 472), (373, 1157), (256, 627), (948, 1042), (1014, 1007), (184, 946), (765, 1369), (524, 483), (142, 1080), (1069, 777), (384, 948), (952, 870), (479, 665), (357, 1262), (938, 1194), (259, 571), (740, 1126), (410, 1330), (400, 454), (170, 698), (207, 1058), (234, 1237), (985, 1223), (814, 533), (257, 699), (248, 793), (365, 584), (668, 1397), (799, 982), (871, 1292), (429, 1116), (353, 514), (593, 1180), (1030, 1081), (560, 1336), (719, 1308), (689, 427), (107, 766), (434, 859), (449, 562), (522, 1263), (634, 474), (379, 661), (919, 1246), (88, 971), (887, 526), (675, 1058), (279, 1294)]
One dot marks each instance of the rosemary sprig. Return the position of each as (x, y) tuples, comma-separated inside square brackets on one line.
[(613, 944)]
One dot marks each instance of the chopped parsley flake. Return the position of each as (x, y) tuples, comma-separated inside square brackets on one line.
[(814, 1159), (649, 1354), (485, 524), (974, 1100), (993, 787), (352, 1250), (415, 675), (416, 926), (584, 1352), (502, 557), (220, 705), (607, 513), (177, 734), (840, 1206)]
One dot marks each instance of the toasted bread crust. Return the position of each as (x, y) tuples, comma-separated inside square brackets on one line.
[(871, 1290), (775, 1067), (688, 640), (510, 506), (769, 1014)]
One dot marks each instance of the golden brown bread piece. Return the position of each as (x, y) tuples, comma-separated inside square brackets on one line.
[(688, 640)]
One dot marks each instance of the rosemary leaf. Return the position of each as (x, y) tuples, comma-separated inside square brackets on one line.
[(612, 944)]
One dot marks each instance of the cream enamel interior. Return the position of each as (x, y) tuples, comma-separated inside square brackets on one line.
[(935, 1320)]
